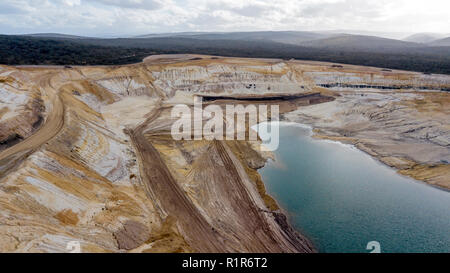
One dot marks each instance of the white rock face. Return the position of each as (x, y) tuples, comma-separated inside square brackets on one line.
[(11, 100), (92, 101), (105, 155), (10, 96), (129, 112), (51, 243), (53, 197), (5, 73), (221, 79), (415, 80), (124, 86)]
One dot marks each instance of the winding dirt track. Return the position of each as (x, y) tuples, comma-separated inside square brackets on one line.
[(51, 127)]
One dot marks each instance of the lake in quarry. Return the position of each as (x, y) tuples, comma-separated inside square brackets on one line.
[(342, 199)]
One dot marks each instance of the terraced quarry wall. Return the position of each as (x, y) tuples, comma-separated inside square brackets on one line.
[(95, 162)]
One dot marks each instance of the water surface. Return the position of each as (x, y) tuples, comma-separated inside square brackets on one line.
[(341, 198)]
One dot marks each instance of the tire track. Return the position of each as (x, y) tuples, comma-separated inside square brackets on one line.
[(162, 186), (263, 229)]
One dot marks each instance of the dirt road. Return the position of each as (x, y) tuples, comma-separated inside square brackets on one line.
[(160, 183), (51, 127)]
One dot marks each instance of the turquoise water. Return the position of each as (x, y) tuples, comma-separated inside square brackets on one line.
[(341, 198)]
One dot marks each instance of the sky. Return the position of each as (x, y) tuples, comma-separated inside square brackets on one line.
[(135, 17)]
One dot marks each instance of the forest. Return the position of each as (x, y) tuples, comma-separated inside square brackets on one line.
[(26, 50)]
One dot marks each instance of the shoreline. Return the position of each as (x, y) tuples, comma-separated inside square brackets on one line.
[(377, 158), (326, 138), (322, 137), (395, 133)]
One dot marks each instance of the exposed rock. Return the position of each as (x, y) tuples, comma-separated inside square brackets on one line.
[(131, 235), (20, 112)]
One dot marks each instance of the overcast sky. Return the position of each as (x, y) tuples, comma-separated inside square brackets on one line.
[(134, 17)]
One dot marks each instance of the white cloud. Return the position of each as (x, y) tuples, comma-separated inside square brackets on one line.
[(120, 17), (133, 4)]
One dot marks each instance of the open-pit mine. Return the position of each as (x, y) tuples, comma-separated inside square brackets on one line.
[(86, 153)]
